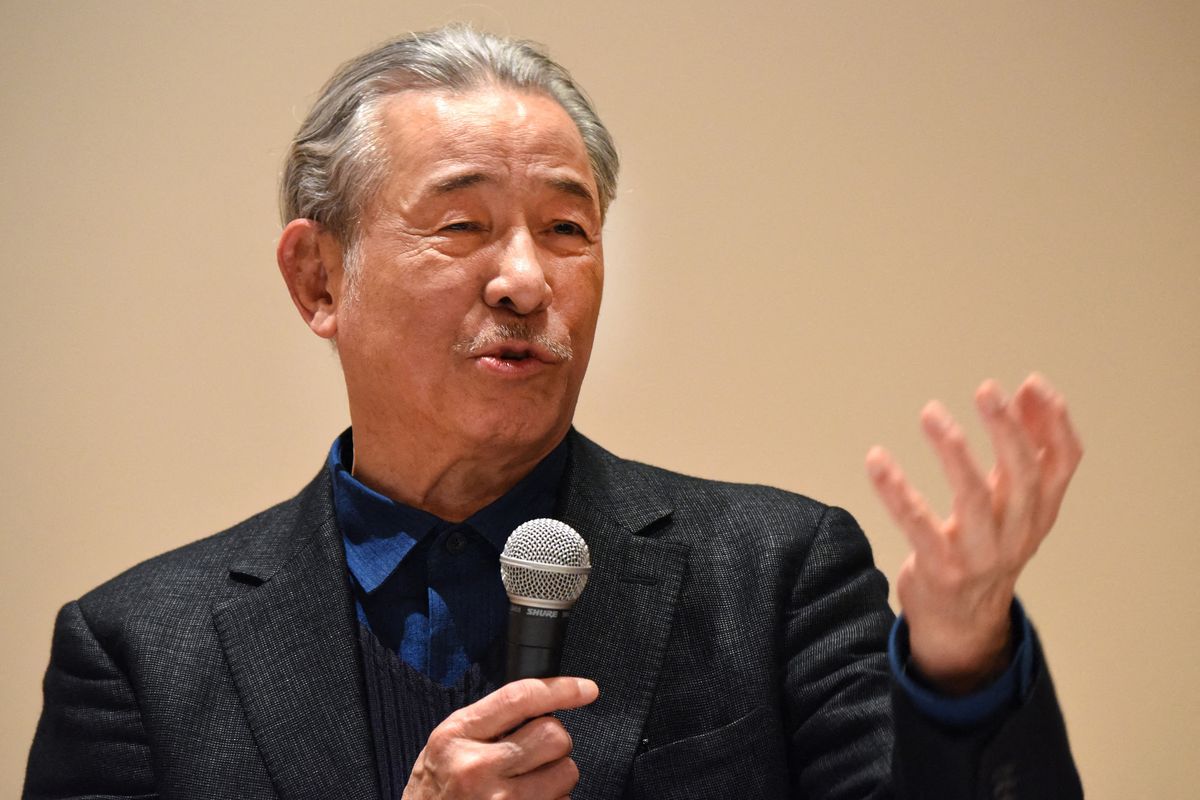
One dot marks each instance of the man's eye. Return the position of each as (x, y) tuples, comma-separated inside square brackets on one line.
[(454, 227), (568, 229)]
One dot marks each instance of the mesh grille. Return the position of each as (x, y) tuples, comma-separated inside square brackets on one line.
[(558, 548)]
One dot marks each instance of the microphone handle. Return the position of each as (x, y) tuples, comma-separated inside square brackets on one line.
[(535, 639)]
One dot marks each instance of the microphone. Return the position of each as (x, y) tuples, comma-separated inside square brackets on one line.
[(544, 567)]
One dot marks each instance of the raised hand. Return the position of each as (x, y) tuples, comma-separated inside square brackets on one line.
[(957, 585), (504, 747)]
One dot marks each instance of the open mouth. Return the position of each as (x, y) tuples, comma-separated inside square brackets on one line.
[(520, 356)]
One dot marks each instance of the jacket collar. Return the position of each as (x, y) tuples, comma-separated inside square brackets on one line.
[(620, 627), (293, 652)]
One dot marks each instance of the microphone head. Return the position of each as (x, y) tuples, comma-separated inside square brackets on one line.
[(545, 563)]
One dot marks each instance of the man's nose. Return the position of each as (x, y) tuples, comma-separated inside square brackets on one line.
[(519, 283)]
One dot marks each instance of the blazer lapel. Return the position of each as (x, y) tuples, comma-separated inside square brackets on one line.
[(620, 626), (294, 658)]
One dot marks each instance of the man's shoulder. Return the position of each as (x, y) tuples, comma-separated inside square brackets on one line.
[(691, 497), (198, 574), (765, 534)]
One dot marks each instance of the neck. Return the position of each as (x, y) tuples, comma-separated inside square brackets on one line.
[(452, 484)]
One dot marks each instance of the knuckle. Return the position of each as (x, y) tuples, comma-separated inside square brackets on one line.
[(472, 767), (951, 575), (551, 735), (543, 727), (519, 694), (507, 750), (442, 736), (913, 510)]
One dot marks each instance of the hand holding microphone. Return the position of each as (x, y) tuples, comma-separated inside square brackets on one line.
[(476, 753), (507, 745)]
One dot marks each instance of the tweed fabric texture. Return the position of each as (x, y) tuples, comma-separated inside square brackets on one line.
[(208, 672), (737, 634)]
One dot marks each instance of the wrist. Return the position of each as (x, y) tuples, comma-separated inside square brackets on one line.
[(958, 667), (957, 680)]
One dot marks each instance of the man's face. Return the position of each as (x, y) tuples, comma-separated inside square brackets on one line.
[(480, 273)]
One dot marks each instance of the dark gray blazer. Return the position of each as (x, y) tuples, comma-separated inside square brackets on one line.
[(737, 634)]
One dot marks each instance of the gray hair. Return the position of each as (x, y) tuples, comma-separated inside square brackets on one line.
[(336, 164)]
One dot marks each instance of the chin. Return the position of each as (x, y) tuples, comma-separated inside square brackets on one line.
[(513, 430)]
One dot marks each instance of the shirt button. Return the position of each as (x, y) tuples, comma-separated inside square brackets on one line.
[(456, 542)]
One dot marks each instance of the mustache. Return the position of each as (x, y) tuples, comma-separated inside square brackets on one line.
[(501, 332)]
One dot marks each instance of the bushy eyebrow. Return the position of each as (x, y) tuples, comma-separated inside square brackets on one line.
[(572, 187), (457, 182), (568, 186)]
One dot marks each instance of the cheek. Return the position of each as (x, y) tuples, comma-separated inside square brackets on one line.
[(589, 307), (578, 291), (419, 301)]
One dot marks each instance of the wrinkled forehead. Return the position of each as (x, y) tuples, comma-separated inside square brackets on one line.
[(491, 124), (456, 121)]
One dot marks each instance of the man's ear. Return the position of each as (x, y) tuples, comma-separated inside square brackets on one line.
[(310, 260)]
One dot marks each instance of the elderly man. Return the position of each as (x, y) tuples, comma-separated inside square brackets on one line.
[(444, 203)]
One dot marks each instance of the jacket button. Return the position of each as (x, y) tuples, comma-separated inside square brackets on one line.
[(456, 542)]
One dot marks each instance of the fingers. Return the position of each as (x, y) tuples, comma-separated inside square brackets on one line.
[(1017, 465), (467, 756), (539, 742), (905, 505), (1043, 412), (1036, 450), (972, 494), (513, 703), (1040, 414), (555, 779), (956, 587)]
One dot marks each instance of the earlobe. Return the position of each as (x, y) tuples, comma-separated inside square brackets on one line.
[(310, 260)]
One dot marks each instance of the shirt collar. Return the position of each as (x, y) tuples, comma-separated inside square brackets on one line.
[(379, 532)]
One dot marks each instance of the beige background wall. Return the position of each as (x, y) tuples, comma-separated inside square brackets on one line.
[(829, 213)]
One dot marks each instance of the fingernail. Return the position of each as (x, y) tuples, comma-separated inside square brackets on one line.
[(936, 421), (993, 402)]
